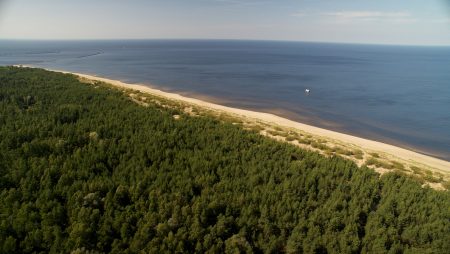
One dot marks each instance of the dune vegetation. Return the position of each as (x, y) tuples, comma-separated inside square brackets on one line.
[(86, 169)]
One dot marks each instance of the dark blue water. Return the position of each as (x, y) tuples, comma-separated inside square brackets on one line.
[(395, 94)]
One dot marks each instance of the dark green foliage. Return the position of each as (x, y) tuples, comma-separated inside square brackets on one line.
[(86, 170)]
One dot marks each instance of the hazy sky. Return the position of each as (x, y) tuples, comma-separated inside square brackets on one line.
[(360, 21)]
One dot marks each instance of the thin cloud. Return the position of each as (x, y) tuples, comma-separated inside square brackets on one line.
[(299, 14), (399, 17), (3, 6), (241, 2), (368, 15), (441, 21)]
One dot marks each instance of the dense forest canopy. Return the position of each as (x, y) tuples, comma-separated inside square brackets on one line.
[(83, 169)]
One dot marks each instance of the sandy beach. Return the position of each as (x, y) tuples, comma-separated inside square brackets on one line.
[(273, 119), (366, 145)]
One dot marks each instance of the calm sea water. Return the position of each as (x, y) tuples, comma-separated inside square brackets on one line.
[(394, 94)]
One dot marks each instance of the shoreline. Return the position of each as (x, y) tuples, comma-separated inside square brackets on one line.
[(366, 145)]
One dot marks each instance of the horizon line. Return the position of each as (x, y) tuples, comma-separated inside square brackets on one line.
[(222, 39)]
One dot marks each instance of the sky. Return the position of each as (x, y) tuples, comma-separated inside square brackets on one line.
[(410, 22)]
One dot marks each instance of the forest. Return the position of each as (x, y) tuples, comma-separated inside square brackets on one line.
[(84, 169)]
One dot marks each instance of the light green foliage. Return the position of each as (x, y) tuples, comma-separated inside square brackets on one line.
[(86, 170), (398, 165), (417, 170), (375, 155), (290, 138), (379, 163), (358, 154)]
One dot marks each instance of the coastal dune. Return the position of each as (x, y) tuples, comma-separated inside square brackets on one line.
[(375, 146), (368, 146)]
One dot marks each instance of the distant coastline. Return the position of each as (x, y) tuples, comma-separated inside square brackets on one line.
[(369, 146), (394, 95)]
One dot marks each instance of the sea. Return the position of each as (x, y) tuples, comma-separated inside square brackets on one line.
[(398, 95)]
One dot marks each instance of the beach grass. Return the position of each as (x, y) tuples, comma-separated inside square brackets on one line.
[(379, 156)]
